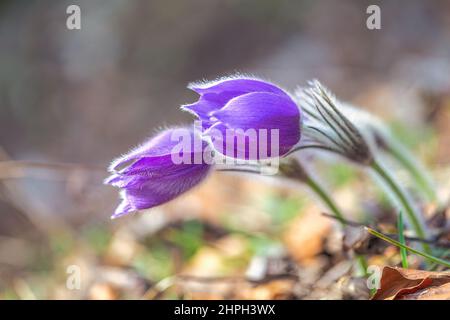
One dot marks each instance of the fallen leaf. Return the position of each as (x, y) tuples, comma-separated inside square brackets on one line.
[(434, 293), (305, 236), (398, 283)]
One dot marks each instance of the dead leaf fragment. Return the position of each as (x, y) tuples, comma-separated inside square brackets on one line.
[(433, 293), (398, 283)]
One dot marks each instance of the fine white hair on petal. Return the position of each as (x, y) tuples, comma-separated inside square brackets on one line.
[(204, 83), (134, 153), (126, 157), (184, 107)]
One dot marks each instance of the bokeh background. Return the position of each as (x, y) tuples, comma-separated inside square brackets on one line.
[(72, 100)]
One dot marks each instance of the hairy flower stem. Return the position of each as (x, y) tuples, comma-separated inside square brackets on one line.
[(412, 214), (407, 161), (293, 169), (327, 200)]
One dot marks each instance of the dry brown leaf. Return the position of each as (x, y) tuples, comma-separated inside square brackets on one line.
[(305, 236), (398, 283), (441, 292)]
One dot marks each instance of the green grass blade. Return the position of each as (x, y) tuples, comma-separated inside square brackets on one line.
[(401, 238), (400, 245)]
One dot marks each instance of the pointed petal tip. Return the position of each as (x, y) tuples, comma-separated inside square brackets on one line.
[(201, 111), (123, 208), (118, 162), (118, 214), (189, 108), (194, 86), (110, 179), (113, 165)]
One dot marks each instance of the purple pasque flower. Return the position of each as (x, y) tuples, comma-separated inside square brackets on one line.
[(247, 118), (159, 170)]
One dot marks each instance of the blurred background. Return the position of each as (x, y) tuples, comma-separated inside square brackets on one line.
[(73, 100)]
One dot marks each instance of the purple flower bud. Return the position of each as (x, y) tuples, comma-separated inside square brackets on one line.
[(158, 171), (261, 115)]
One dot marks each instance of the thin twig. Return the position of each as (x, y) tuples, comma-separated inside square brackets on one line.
[(344, 221)]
